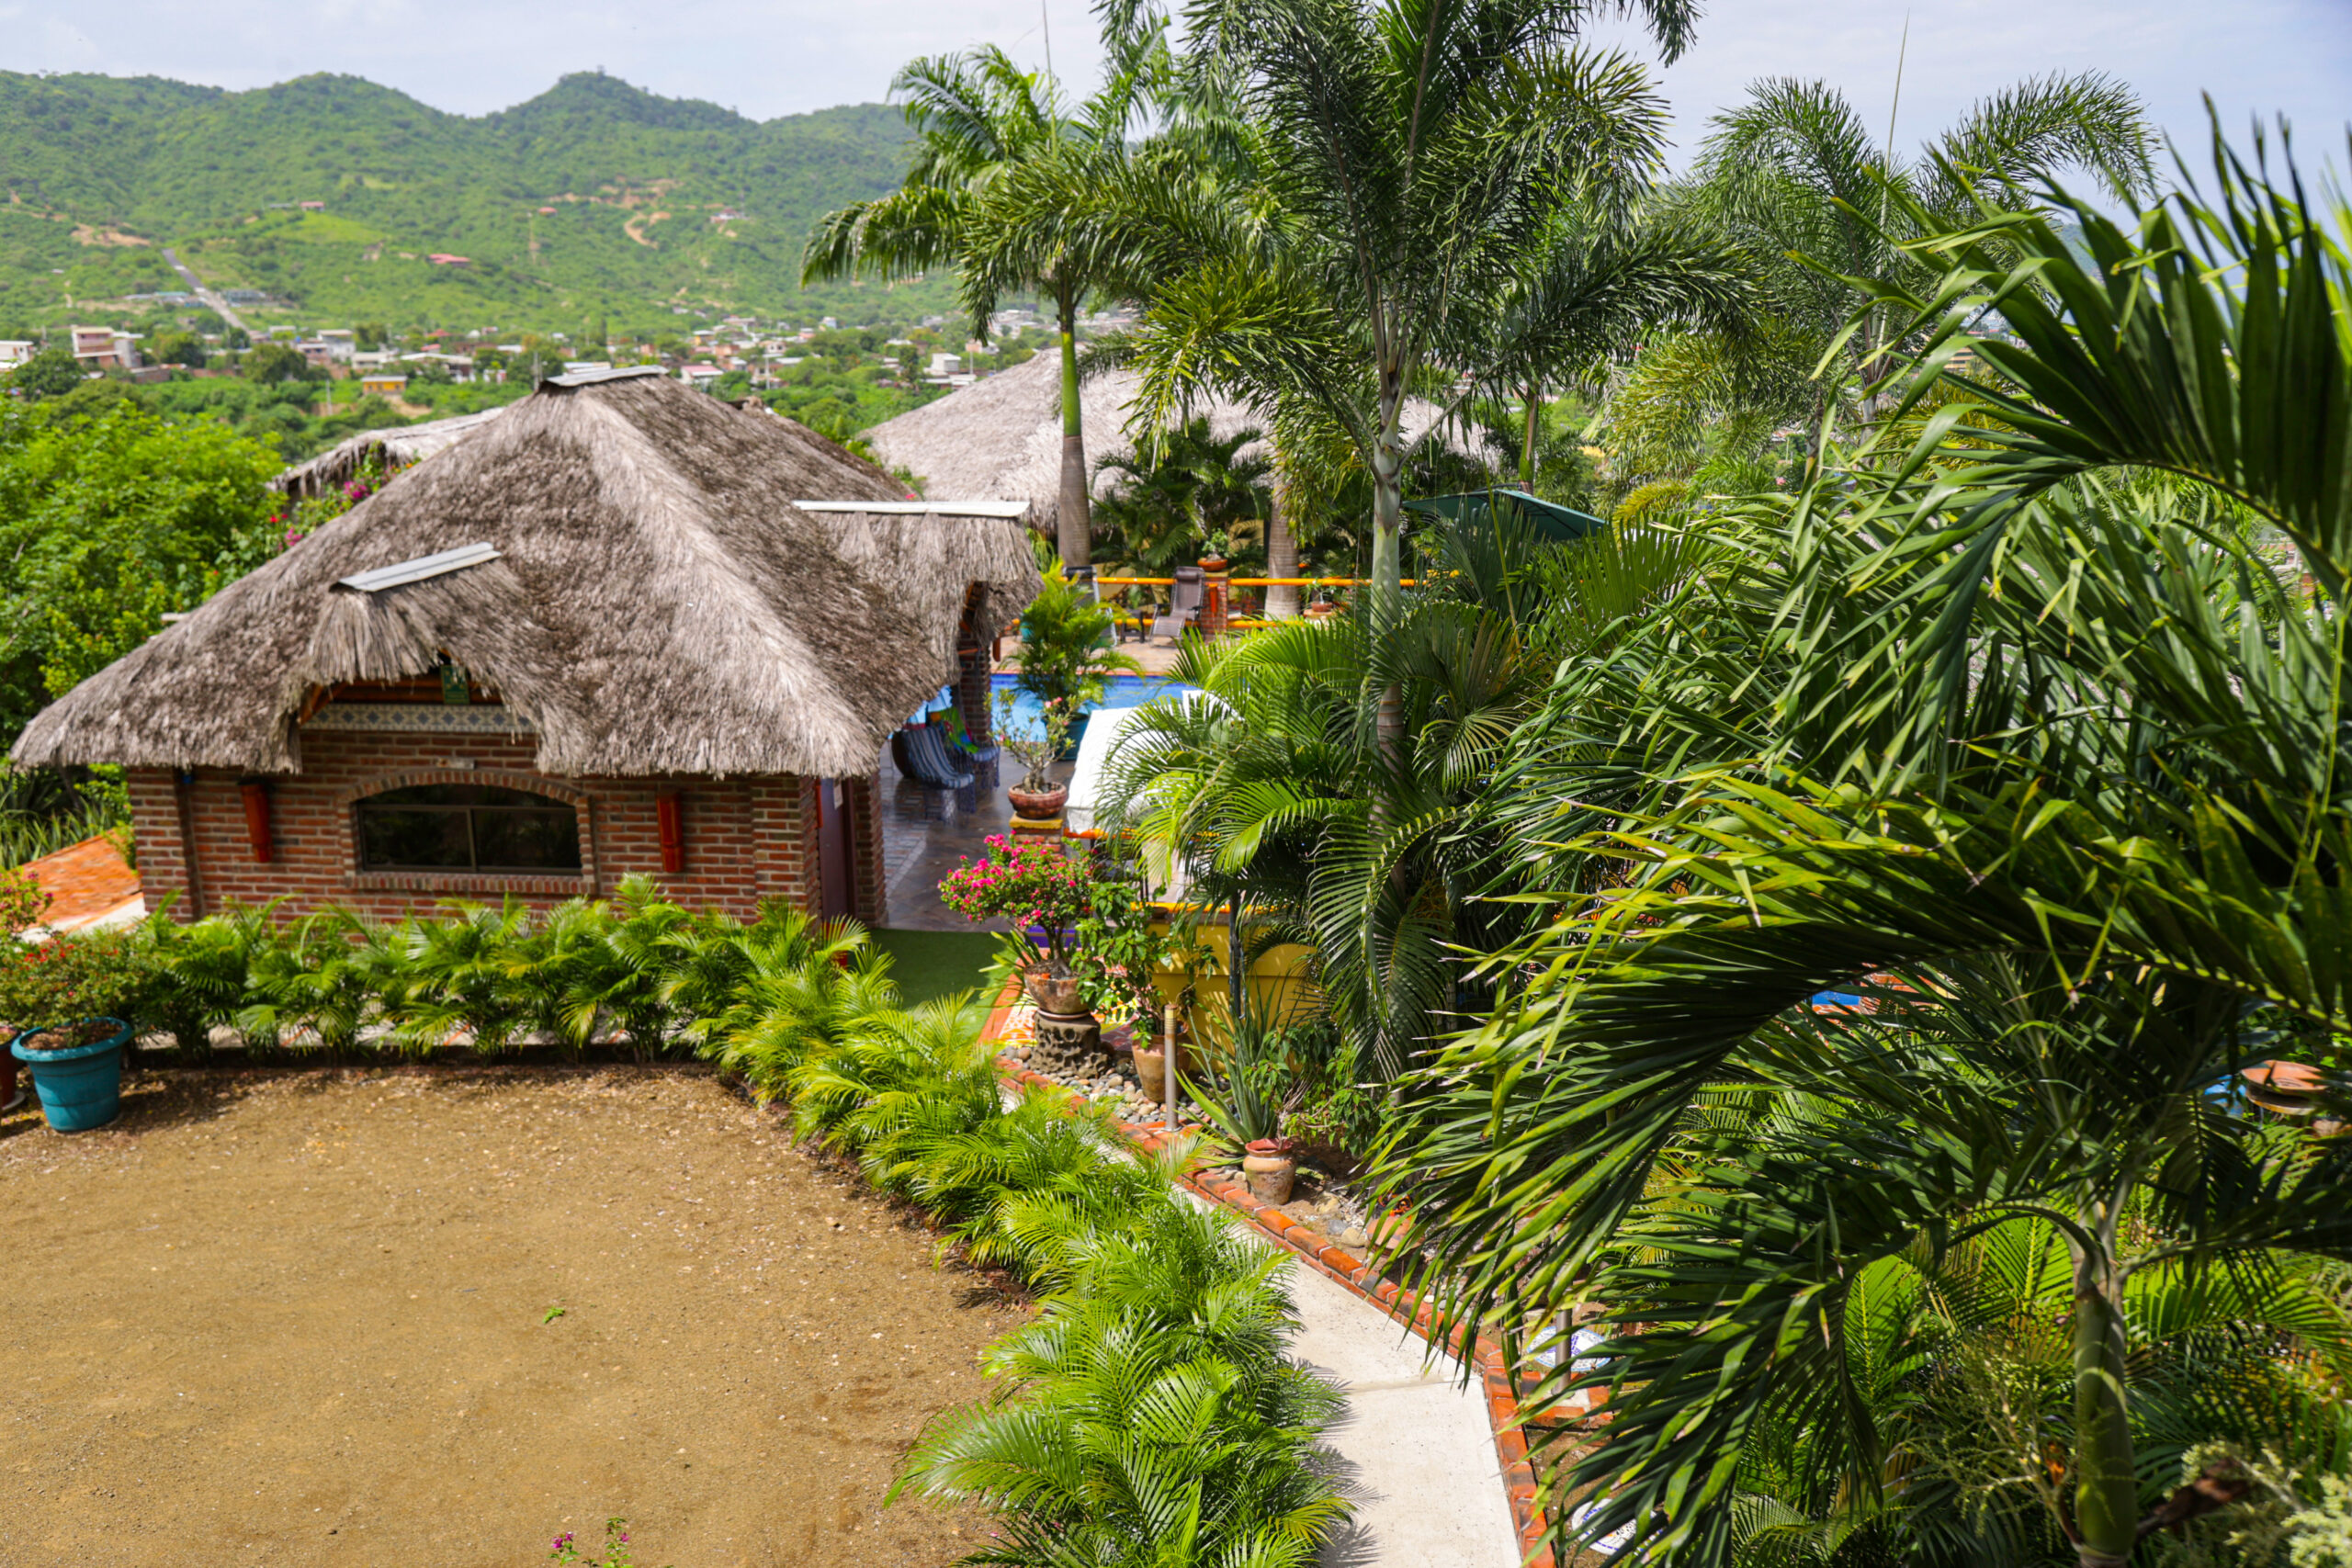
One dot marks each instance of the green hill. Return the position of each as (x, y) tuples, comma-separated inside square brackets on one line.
[(593, 200)]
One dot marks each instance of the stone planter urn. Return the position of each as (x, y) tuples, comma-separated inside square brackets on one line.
[(1151, 1067), (1053, 993), (1039, 806), (1270, 1168)]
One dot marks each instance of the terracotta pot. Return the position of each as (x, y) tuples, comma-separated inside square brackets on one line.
[(1054, 993), (1270, 1177), (1321, 611), (1212, 563), (1038, 807)]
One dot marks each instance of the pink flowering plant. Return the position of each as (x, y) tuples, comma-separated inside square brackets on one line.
[(615, 1554), (1033, 885)]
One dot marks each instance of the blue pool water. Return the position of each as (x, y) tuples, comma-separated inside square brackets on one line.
[(1118, 691)]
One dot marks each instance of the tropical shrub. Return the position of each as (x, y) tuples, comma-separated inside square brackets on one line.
[(2024, 737), (91, 974), (1065, 644)]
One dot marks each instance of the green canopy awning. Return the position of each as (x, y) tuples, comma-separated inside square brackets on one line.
[(1550, 523)]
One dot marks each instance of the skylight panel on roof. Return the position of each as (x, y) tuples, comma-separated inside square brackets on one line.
[(417, 570), (919, 508)]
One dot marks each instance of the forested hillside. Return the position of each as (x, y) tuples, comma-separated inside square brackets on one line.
[(595, 200)]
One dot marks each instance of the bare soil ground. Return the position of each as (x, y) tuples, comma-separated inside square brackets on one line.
[(273, 1317)]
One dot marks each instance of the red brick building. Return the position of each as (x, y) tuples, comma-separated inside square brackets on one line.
[(623, 629)]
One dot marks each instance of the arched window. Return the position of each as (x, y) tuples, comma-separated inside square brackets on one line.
[(467, 827)]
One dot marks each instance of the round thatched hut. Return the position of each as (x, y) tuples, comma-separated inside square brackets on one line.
[(623, 627)]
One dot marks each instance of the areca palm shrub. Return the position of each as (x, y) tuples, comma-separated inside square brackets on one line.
[(1813, 200), (1152, 1417), (2046, 755), (1281, 791)]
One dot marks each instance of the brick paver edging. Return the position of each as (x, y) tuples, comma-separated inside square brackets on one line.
[(1357, 1276)]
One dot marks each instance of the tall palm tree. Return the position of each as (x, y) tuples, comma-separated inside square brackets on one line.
[(2041, 737), (1814, 200), (1408, 159), (979, 119)]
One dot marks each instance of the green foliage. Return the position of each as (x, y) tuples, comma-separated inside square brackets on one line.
[(2046, 760), (52, 373), (634, 181), (107, 521), (1065, 643), (1186, 486)]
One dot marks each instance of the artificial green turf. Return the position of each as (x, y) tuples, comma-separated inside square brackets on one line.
[(931, 964)]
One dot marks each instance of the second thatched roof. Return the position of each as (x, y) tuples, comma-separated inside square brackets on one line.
[(398, 445), (651, 602), (1001, 438)]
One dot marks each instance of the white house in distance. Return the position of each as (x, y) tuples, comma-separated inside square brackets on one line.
[(103, 348)]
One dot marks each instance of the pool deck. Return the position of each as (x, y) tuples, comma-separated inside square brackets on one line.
[(927, 833)]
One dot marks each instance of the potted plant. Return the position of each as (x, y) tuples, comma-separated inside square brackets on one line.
[(1216, 550), (1036, 796), (75, 988), (1066, 650), (1246, 1096), (1044, 893)]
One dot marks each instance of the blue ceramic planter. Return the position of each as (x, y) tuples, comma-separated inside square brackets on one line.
[(80, 1088)]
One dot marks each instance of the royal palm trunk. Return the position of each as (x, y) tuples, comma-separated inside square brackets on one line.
[(1073, 517)]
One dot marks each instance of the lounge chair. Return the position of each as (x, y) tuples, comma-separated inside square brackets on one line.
[(1184, 607), (924, 760)]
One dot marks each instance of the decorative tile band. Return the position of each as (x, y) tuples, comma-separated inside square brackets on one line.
[(426, 718), (1359, 1279)]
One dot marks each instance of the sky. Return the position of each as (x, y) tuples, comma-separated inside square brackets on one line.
[(766, 58)]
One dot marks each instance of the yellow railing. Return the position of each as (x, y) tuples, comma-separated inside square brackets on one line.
[(1246, 582)]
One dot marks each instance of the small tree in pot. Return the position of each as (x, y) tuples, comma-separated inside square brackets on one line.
[(1036, 747), (1044, 893)]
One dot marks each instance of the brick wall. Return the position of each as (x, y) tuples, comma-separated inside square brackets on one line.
[(747, 839)]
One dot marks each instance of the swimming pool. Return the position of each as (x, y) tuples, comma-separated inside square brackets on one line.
[(1118, 691)]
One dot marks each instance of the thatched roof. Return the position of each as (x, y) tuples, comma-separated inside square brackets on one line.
[(657, 604), (1001, 438), (401, 445)]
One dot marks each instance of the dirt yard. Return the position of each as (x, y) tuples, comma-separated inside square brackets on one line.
[(306, 1318)]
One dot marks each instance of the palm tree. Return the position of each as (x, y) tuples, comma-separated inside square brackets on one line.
[(1404, 161), (1795, 180), (1188, 484), (979, 120), (1280, 795), (2042, 738)]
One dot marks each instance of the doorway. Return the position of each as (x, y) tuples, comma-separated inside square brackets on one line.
[(836, 866)]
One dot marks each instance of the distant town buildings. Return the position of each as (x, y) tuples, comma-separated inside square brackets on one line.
[(104, 348)]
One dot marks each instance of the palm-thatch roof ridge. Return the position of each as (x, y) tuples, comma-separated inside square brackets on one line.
[(399, 446), (658, 605), (1002, 437)]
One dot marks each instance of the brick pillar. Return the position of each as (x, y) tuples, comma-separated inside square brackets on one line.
[(974, 687), (862, 798)]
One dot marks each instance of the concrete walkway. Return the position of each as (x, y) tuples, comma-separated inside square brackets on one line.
[(1427, 1485), (1420, 1457)]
